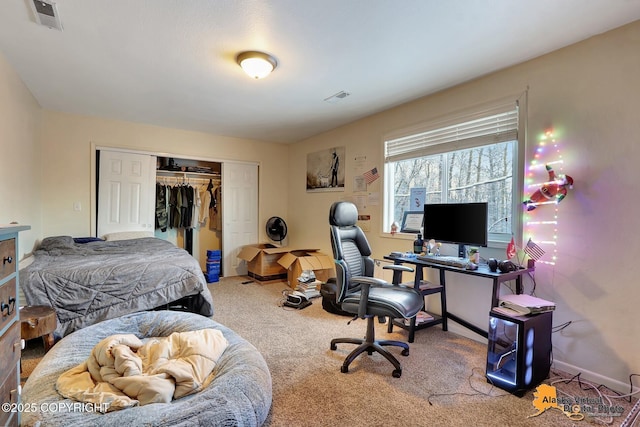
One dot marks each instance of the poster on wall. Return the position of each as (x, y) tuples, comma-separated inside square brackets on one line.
[(417, 198), (325, 170)]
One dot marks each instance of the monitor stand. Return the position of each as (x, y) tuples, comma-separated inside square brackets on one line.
[(462, 252)]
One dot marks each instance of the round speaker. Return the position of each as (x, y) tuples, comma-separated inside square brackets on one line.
[(493, 264), (506, 266)]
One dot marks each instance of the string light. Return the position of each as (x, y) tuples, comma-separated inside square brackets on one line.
[(547, 153)]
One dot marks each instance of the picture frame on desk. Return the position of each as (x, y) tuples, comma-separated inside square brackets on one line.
[(412, 222)]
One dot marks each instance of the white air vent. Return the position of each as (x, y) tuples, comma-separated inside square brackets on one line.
[(337, 97), (46, 13)]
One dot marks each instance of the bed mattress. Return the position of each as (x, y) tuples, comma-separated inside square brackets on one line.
[(87, 283)]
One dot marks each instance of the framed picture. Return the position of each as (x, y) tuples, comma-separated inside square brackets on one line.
[(325, 170), (412, 222)]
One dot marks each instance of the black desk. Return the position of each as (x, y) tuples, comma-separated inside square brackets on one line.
[(483, 271)]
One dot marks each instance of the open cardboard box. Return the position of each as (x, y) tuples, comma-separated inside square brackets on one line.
[(262, 261), (297, 261)]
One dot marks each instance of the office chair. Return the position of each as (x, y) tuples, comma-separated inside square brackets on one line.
[(360, 293)]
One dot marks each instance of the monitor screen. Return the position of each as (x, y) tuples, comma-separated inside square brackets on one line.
[(461, 223)]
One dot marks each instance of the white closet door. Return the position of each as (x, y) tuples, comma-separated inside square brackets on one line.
[(239, 213), (126, 192)]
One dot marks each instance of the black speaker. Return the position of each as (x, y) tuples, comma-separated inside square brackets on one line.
[(493, 264), (506, 266)]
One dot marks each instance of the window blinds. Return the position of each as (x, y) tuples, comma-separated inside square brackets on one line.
[(498, 125)]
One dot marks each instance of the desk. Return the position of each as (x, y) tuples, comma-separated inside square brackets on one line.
[(483, 272)]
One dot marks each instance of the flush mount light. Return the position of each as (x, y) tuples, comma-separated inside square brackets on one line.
[(256, 64)]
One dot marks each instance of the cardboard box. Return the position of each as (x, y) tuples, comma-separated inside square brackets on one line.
[(262, 261), (297, 261)]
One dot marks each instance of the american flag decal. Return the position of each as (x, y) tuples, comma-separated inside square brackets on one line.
[(370, 176), (534, 251)]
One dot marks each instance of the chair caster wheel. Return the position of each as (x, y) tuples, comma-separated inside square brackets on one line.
[(344, 369), (333, 347), (405, 352), (397, 373)]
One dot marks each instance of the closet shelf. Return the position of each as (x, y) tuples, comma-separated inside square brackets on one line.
[(160, 172)]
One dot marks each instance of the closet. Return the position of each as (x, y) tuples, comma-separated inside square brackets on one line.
[(188, 205), (125, 197)]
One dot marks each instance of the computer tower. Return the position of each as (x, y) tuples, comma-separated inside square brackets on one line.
[(519, 353)]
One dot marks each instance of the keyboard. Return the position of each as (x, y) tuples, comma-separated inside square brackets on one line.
[(452, 261)]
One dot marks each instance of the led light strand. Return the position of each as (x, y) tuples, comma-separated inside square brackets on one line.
[(547, 149)]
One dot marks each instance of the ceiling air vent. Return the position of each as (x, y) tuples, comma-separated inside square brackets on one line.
[(337, 97), (46, 13)]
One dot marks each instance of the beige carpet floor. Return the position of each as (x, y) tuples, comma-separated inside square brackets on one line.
[(442, 383)]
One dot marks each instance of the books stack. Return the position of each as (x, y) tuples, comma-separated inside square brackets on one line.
[(309, 285), (421, 317), (523, 305)]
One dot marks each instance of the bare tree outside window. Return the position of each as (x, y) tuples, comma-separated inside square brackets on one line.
[(481, 174)]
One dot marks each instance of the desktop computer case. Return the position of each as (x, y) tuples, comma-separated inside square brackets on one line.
[(519, 351)]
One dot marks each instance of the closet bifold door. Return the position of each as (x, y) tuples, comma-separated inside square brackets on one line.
[(126, 192)]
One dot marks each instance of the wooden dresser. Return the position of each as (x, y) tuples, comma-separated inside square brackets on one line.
[(10, 342)]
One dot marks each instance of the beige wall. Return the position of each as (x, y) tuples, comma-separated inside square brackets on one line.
[(590, 93), (20, 192), (67, 142)]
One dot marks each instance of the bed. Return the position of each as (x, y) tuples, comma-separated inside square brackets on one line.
[(89, 282)]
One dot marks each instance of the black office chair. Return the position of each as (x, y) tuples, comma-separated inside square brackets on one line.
[(360, 293)]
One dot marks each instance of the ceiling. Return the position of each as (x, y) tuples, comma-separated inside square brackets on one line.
[(172, 62)]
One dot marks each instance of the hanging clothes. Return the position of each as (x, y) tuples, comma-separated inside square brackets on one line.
[(162, 216), (205, 195), (197, 202), (176, 210), (216, 210), (183, 205), (189, 197)]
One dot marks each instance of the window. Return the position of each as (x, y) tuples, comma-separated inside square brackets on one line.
[(468, 159)]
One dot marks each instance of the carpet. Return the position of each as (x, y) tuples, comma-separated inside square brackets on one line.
[(442, 383)]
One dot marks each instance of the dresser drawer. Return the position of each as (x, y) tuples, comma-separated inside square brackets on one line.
[(7, 257), (10, 349), (9, 303), (9, 394)]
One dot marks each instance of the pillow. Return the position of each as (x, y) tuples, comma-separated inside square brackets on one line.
[(127, 235), (87, 239)]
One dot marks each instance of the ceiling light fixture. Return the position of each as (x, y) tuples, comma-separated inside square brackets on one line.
[(256, 64)]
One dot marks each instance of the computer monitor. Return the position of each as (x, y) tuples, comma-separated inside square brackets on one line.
[(458, 223)]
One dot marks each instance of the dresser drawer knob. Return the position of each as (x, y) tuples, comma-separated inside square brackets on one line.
[(10, 308), (7, 260)]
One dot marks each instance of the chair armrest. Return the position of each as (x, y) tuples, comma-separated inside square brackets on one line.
[(397, 267), (366, 283)]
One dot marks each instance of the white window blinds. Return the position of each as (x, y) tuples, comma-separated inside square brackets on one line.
[(498, 125)]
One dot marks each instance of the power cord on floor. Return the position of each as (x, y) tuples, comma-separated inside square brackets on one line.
[(478, 392), (561, 326), (585, 386)]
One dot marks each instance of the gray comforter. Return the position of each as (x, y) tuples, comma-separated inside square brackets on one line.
[(87, 283)]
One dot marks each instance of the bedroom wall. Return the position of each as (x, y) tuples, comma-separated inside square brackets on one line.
[(67, 145), (20, 191), (590, 93)]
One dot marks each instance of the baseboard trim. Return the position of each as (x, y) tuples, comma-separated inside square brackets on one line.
[(594, 378)]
